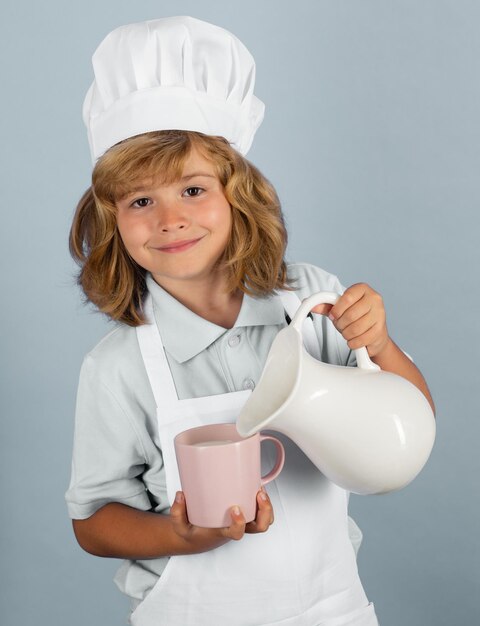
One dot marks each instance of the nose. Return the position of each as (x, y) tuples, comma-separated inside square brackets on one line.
[(171, 217)]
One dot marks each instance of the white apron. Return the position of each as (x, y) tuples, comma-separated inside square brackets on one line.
[(301, 572)]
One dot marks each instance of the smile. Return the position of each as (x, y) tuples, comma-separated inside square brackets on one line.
[(178, 246)]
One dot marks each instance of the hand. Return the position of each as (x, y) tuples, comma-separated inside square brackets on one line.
[(359, 315), (197, 539)]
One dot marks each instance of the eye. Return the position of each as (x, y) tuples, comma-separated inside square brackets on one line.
[(193, 192), (141, 203)]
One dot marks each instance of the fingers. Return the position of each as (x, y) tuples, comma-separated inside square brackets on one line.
[(357, 329), (359, 293), (236, 530), (353, 304), (265, 517), (359, 311), (360, 316), (194, 539), (262, 522), (360, 337), (207, 538), (178, 514)]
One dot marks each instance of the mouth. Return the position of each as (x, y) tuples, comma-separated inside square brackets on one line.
[(178, 246)]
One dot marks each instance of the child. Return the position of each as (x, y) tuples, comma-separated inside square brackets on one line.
[(181, 241)]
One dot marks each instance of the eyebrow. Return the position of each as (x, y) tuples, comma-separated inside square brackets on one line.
[(194, 174)]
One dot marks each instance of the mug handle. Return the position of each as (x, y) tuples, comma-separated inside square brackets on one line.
[(329, 297), (277, 468)]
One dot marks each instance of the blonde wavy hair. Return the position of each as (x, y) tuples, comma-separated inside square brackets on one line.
[(253, 260)]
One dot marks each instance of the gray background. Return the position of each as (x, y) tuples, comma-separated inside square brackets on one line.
[(371, 137)]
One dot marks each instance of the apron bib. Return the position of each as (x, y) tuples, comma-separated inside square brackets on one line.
[(301, 572)]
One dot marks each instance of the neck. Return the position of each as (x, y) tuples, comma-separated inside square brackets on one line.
[(207, 298)]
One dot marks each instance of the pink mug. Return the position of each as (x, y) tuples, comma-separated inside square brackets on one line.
[(220, 469)]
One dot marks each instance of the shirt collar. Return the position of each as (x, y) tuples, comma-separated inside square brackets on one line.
[(185, 334)]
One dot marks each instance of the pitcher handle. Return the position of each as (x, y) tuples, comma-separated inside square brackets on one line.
[(329, 297)]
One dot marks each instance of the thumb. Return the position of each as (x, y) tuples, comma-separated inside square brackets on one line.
[(178, 510)]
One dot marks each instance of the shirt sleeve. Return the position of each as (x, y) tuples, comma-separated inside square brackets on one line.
[(108, 456)]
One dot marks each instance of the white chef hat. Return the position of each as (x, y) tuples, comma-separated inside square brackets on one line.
[(172, 73)]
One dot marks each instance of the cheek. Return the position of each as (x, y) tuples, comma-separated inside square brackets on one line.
[(132, 231), (123, 231), (121, 220), (220, 218)]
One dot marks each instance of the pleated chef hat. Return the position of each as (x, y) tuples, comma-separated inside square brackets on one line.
[(172, 73)]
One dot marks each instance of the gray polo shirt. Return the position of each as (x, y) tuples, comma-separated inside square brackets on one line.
[(116, 453)]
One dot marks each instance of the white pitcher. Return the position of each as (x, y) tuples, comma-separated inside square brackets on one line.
[(367, 430)]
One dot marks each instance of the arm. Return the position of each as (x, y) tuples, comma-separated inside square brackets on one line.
[(117, 530), (359, 315), (392, 359)]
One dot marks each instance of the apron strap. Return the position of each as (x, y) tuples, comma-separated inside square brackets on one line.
[(154, 358)]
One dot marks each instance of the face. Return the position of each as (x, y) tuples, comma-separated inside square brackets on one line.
[(178, 231)]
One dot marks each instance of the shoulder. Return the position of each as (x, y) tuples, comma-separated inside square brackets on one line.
[(114, 344), (307, 279), (116, 354), (113, 387)]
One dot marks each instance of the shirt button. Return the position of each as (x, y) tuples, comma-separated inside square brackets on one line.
[(248, 384), (233, 340)]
